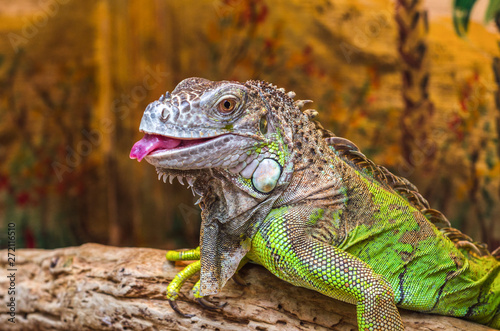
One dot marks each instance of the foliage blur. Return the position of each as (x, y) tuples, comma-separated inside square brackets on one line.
[(75, 77)]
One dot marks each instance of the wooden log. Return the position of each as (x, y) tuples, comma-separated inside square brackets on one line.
[(96, 287)]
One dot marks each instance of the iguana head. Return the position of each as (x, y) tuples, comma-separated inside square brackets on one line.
[(233, 143), (216, 125)]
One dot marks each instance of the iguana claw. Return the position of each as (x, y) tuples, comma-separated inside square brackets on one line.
[(175, 307), (205, 303), (239, 280)]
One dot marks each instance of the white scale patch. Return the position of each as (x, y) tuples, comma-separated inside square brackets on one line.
[(266, 175)]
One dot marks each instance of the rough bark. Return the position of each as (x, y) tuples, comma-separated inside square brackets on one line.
[(110, 288)]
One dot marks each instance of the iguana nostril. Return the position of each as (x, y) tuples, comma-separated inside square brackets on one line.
[(165, 114)]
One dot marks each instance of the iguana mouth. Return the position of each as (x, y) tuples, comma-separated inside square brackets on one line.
[(160, 146)]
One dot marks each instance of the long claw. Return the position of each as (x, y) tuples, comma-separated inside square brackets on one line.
[(210, 305), (239, 280), (175, 307)]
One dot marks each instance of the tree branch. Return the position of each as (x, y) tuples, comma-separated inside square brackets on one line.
[(109, 288)]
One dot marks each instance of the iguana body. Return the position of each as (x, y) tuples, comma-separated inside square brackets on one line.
[(279, 190)]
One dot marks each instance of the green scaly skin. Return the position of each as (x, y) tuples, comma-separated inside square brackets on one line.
[(316, 212)]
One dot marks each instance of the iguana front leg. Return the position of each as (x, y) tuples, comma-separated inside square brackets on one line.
[(284, 247), (180, 278)]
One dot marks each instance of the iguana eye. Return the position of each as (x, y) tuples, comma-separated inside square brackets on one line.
[(226, 106)]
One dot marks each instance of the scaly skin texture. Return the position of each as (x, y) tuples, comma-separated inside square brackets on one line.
[(279, 190)]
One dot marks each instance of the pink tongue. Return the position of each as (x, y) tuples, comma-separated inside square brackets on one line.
[(150, 143)]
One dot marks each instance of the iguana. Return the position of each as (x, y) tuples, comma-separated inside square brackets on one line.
[(279, 190)]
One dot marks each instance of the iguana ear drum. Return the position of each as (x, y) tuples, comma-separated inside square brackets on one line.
[(266, 176)]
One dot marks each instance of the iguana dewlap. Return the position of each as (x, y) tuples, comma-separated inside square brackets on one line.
[(279, 190)]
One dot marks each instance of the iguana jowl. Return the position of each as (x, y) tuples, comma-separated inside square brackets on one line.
[(279, 190)]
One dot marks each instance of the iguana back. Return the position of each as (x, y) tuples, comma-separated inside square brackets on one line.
[(426, 270)]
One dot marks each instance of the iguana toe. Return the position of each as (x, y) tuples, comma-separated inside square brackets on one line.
[(175, 285), (192, 254)]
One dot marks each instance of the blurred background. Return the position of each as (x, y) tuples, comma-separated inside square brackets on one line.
[(415, 84)]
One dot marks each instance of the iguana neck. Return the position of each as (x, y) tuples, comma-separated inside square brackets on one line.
[(315, 178)]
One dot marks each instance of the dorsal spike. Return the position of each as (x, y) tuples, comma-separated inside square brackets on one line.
[(301, 103), (336, 141), (466, 244), (469, 247), (311, 113), (436, 218), (496, 253)]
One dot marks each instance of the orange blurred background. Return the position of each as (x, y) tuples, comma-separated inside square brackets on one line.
[(75, 77)]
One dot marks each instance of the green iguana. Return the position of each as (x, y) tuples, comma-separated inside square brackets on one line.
[(279, 190)]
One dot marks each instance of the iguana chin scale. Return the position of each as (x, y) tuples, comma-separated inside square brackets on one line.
[(279, 190)]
